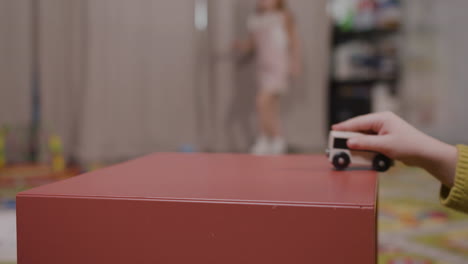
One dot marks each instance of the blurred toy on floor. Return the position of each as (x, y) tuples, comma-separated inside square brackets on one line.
[(56, 152), (2, 148), (17, 174)]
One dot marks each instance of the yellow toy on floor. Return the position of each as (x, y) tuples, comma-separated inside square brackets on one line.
[(56, 150), (2, 148)]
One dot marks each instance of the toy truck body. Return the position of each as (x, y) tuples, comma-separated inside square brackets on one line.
[(342, 157)]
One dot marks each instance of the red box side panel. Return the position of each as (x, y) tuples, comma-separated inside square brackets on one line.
[(78, 231)]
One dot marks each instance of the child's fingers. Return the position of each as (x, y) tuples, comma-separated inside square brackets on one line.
[(369, 142), (369, 122)]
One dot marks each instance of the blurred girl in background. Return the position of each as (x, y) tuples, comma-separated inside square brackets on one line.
[(274, 40)]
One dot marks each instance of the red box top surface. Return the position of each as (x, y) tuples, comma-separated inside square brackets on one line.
[(227, 178)]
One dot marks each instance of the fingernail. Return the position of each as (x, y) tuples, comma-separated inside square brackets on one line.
[(352, 142)]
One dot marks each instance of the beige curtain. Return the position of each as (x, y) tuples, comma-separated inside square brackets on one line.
[(124, 78), (140, 79), (15, 75), (117, 76), (63, 56)]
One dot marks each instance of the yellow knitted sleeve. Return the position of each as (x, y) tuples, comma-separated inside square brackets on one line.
[(457, 196)]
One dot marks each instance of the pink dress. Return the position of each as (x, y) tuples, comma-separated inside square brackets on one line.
[(272, 47)]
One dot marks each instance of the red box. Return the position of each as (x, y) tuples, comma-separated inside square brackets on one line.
[(206, 208)]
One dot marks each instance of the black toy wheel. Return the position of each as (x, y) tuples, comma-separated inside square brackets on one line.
[(341, 161), (381, 163)]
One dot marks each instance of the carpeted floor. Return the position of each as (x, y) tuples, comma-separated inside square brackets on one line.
[(413, 227)]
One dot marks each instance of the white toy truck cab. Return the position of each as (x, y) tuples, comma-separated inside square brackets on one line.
[(341, 156)]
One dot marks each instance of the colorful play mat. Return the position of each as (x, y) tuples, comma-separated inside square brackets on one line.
[(14, 179), (413, 227)]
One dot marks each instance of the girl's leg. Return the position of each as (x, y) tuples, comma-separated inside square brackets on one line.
[(268, 105), (274, 116), (277, 143), (263, 144), (265, 111)]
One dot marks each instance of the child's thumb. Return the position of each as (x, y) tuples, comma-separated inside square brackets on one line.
[(367, 142)]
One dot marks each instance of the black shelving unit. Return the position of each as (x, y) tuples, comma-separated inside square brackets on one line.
[(352, 97), (340, 36)]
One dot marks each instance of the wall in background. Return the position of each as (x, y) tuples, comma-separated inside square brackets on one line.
[(435, 88), (453, 56), (306, 122)]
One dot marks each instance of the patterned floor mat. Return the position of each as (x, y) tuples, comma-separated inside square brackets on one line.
[(413, 226)]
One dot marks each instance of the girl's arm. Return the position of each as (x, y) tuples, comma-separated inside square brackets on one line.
[(395, 138), (399, 140), (295, 46), (456, 197), (245, 46)]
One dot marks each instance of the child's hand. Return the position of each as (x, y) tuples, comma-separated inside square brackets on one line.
[(388, 134), (295, 69), (243, 46), (393, 137), (238, 46)]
